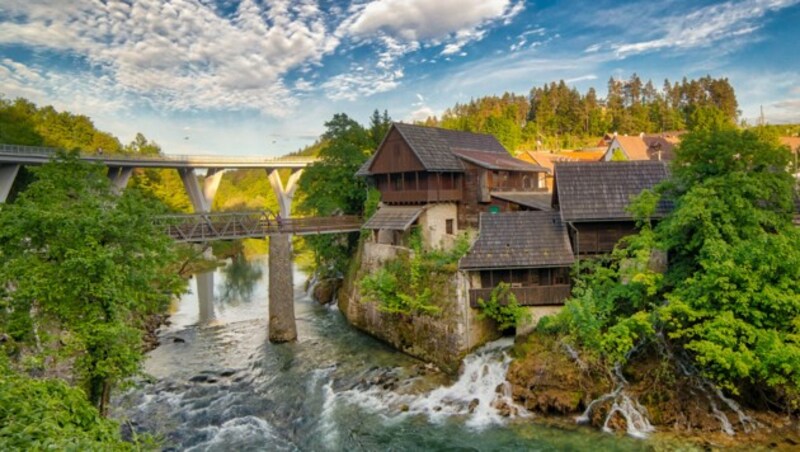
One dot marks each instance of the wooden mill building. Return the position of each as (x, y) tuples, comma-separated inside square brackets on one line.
[(443, 179)]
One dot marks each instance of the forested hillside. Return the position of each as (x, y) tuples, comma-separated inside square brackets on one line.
[(556, 116)]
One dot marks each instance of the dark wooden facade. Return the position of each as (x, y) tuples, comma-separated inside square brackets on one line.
[(599, 237), (419, 187), (480, 182), (531, 286)]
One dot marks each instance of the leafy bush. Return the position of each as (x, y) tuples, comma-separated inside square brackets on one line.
[(503, 308), (410, 284), (51, 415)]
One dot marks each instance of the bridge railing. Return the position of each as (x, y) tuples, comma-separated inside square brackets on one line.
[(41, 151), (257, 224)]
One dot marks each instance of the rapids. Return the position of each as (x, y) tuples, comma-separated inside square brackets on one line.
[(218, 384)]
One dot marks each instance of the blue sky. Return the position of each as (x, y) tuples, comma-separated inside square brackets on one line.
[(262, 76)]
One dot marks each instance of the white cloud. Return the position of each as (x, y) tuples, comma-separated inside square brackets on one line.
[(704, 26), (421, 113), (592, 48), (453, 23), (582, 78), (181, 54)]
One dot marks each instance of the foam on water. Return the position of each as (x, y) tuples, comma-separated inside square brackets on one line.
[(478, 395), (238, 432)]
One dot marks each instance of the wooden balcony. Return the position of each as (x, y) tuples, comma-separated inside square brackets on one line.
[(420, 196), (527, 296)]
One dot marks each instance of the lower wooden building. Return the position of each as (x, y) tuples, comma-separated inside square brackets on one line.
[(529, 250), (593, 199)]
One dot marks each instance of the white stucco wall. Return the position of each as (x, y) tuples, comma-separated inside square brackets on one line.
[(432, 225)]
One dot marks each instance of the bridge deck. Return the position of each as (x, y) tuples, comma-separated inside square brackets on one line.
[(33, 155), (199, 228)]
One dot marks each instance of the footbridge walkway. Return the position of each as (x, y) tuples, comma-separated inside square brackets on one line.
[(205, 227)]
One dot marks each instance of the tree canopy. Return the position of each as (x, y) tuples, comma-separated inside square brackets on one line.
[(555, 115), (330, 187), (729, 299), (81, 267)]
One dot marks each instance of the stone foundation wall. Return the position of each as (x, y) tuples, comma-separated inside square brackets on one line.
[(442, 340)]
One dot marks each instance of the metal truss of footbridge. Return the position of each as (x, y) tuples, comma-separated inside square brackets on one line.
[(206, 227)]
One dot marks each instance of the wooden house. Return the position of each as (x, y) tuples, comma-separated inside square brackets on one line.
[(659, 147), (593, 198), (448, 178), (530, 251), (547, 160)]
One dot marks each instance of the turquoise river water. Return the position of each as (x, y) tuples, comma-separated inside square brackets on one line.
[(219, 385)]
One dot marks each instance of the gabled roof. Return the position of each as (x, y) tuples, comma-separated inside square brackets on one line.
[(634, 147), (519, 240), (397, 218), (547, 159), (497, 161), (534, 200), (436, 148), (602, 191)]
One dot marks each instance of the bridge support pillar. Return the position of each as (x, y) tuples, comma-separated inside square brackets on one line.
[(205, 297), (201, 197), (119, 177), (282, 327), (7, 175), (284, 194)]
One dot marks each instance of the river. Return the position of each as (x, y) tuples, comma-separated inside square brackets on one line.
[(218, 384)]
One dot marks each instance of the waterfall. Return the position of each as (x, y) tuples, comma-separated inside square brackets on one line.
[(481, 394)]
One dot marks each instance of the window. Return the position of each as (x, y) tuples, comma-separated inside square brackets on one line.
[(541, 182), (398, 181), (448, 226)]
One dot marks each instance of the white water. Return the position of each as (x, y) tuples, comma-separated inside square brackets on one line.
[(473, 396), (638, 426)]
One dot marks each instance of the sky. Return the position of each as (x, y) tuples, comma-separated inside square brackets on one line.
[(261, 77)]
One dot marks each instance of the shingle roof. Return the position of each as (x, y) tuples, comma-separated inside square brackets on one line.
[(520, 240), (535, 200), (601, 191), (398, 218), (431, 147), (497, 161), (436, 147), (363, 170)]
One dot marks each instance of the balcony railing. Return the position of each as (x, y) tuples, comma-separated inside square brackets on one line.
[(527, 296), (422, 196)]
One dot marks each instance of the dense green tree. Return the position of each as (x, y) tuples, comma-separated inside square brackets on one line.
[(328, 187), (378, 126), (729, 299), (82, 267)]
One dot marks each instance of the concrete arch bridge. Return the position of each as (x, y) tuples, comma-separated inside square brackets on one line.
[(204, 226)]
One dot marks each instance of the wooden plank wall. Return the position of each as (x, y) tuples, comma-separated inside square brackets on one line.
[(395, 156)]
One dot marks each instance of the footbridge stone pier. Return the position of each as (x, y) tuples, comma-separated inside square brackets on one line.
[(204, 226)]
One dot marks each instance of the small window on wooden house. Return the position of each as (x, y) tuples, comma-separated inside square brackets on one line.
[(561, 276), (448, 226), (542, 180)]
